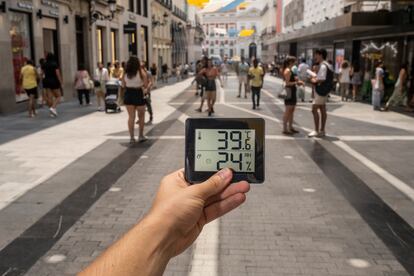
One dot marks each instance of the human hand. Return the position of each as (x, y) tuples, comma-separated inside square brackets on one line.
[(184, 209)]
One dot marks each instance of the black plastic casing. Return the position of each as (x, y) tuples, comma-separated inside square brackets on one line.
[(258, 124)]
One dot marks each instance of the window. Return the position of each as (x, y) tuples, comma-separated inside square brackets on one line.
[(144, 43), (114, 45), (131, 6), (212, 51), (139, 7), (99, 44), (21, 45), (145, 8)]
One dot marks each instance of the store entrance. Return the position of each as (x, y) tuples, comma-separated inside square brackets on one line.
[(50, 37)]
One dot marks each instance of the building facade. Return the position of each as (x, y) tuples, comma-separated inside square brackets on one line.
[(179, 32), (224, 25), (195, 35), (161, 26), (76, 31)]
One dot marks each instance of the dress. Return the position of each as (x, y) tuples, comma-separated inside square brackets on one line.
[(293, 98)]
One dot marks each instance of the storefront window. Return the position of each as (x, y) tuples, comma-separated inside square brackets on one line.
[(144, 43), (387, 51), (114, 37), (339, 59), (20, 34), (99, 45)]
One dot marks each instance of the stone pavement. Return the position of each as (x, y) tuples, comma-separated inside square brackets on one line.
[(323, 210)]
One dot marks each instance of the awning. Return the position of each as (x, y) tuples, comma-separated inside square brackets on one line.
[(346, 23), (246, 33), (198, 3)]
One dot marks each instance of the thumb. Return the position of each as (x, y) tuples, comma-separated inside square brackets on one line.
[(215, 184)]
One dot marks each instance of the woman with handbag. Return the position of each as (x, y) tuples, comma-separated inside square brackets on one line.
[(290, 95), (211, 73), (83, 84)]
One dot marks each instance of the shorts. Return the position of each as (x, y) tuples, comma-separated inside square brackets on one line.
[(320, 100), (32, 91), (134, 96), (211, 94), (51, 84), (243, 79)]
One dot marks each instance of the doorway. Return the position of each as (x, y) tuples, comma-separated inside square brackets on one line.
[(50, 37)]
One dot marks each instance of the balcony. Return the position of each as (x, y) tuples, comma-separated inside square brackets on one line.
[(179, 13), (166, 3)]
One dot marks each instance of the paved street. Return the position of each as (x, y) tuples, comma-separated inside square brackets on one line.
[(342, 205)]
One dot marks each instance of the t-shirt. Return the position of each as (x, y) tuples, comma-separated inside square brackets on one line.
[(117, 73), (243, 69), (257, 72), (49, 68), (29, 76), (344, 73), (322, 72)]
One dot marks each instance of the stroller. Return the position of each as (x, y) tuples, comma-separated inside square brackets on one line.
[(111, 97)]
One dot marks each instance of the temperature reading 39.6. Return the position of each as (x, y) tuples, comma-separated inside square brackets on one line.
[(216, 149)]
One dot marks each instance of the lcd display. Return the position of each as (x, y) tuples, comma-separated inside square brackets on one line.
[(216, 149)]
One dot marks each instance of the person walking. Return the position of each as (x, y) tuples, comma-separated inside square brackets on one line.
[(135, 82), (344, 80), (256, 75), (323, 86), (302, 76), (399, 94), (148, 101), (211, 73), (242, 71), (41, 76), (101, 77), (224, 69), (117, 71), (201, 80), (164, 73), (154, 75), (356, 81), (378, 86), (52, 83), (291, 83), (29, 80), (82, 84)]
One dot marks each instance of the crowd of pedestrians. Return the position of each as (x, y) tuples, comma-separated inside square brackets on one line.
[(136, 79)]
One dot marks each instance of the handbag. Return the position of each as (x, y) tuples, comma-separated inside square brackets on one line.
[(286, 93), (97, 83)]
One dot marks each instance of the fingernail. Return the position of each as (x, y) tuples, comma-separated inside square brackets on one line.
[(225, 173)]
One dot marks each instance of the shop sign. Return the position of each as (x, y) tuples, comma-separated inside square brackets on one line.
[(26, 6), (49, 4), (130, 28)]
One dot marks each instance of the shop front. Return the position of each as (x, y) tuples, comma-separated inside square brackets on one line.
[(22, 49)]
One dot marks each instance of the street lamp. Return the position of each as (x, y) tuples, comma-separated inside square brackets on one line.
[(112, 7)]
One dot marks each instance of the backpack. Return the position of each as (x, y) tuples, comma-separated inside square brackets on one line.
[(325, 87)]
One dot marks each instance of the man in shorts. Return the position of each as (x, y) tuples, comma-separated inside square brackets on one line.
[(323, 82)]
